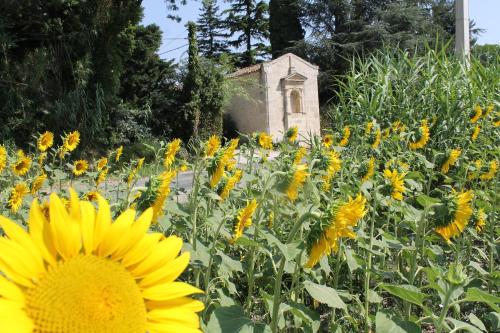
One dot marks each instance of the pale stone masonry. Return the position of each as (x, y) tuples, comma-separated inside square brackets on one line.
[(275, 96)]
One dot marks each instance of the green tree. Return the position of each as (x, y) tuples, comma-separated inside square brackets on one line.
[(248, 22), (284, 26), (210, 27), (192, 86)]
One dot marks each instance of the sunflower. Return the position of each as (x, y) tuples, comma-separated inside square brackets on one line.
[(80, 167), (79, 272), (71, 141), (45, 141), (292, 133), (38, 183), (477, 114), (386, 133), (333, 166), (452, 159), (91, 196), (265, 141), (230, 184), (475, 133), (480, 221), (345, 139), (172, 150), (461, 215), (397, 181), (340, 221), (424, 136), (398, 127), (328, 140), (135, 171), (376, 140), (298, 179), (477, 169), (212, 145), (101, 163), (162, 193), (492, 170), (217, 170), (3, 157), (119, 153), (22, 165), (299, 155), (370, 170), (244, 219), (102, 176), (489, 110), (16, 197)]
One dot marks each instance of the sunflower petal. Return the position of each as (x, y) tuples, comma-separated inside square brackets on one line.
[(65, 231), (174, 316), (116, 232), (103, 221), (167, 273), (10, 291), (87, 225), (134, 234), (142, 249), (163, 252), (169, 291), (38, 229)]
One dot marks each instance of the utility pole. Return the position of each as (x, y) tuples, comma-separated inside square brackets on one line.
[(462, 39)]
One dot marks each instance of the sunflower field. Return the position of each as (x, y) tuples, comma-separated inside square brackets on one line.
[(386, 223)]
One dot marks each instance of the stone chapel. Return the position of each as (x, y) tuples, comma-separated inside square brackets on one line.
[(276, 95)]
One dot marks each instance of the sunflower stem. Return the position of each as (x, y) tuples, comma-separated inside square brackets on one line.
[(369, 264)]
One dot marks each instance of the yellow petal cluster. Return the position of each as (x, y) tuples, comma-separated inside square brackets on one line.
[(119, 153), (101, 163), (334, 166), (71, 141), (463, 212), (162, 193), (424, 136), (17, 195), (299, 155), (298, 179), (230, 184), (22, 164), (135, 171), (212, 145), (3, 157), (370, 171), (475, 133), (80, 167), (292, 134), (344, 219), (452, 159), (265, 140), (376, 141), (328, 140), (397, 183), (345, 138), (244, 219), (38, 183), (77, 271), (45, 141), (477, 114), (172, 149), (492, 171)]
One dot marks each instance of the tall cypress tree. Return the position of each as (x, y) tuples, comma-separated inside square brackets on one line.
[(284, 26), (192, 86), (210, 28), (248, 21)]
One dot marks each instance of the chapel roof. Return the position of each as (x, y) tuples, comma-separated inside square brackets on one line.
[(255, 68)]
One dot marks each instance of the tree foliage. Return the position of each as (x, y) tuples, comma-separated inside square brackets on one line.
[(285, 28), (212, 37)]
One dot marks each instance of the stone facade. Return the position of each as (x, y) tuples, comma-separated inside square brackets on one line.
[(276, 95)]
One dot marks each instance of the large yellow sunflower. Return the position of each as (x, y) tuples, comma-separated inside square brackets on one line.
[(80, 167), (71, 141), (265, 141), (80, 272), (341, 220), (461, 216), (45, 141), (22, 165)]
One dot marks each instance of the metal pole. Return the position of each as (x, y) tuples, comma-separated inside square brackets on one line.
[(462, 40)]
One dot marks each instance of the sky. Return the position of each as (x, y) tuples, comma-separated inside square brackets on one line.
[(174, 46)]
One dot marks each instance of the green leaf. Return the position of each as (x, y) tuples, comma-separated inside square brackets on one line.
[(460, 325), (304, 313), (373, 297), (243, 241), (232, 319), (175, 209), (478, 295), (353, 260), (384, 323), (324, 294), (426, 201), (476, 321), (406, 292)]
